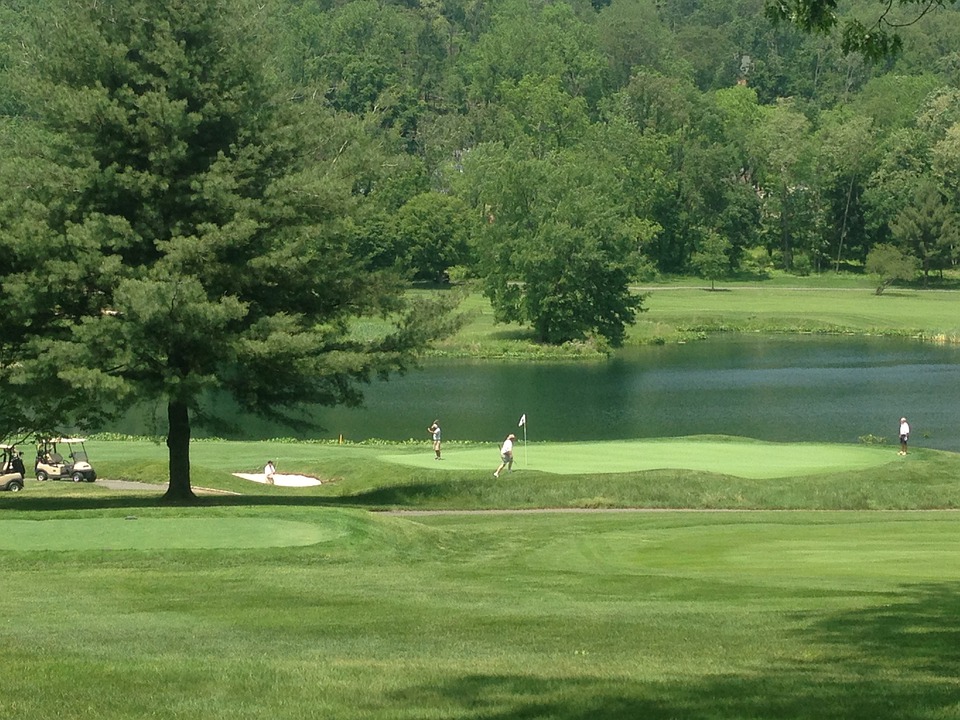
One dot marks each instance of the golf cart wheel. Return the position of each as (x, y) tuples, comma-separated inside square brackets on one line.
[(41, 475), (77, 477), (15, 486)]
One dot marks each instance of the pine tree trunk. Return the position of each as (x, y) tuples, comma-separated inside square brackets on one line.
[(178, 445)]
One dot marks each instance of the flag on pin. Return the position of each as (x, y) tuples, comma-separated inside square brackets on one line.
[(523, 420)]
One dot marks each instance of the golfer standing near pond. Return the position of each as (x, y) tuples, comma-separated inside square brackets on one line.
[(904, 435), (434, 430), (506, 455)]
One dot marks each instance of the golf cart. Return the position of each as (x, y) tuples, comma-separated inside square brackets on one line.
[(11, 469), (52, 465)]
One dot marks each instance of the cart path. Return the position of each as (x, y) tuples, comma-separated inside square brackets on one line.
[(155, 487), (584, 511)]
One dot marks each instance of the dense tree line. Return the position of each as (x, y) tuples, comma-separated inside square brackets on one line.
[(683, 120), (208, 195)]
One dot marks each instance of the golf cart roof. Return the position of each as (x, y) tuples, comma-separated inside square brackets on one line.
[(66, 440)]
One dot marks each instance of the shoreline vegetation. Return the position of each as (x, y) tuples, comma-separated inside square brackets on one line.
[(686, 309)]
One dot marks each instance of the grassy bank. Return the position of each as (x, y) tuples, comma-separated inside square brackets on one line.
[(694, 473), (678, 311), (928, 314)]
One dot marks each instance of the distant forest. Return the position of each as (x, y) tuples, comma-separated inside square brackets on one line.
[(681, 126), (546, 143)]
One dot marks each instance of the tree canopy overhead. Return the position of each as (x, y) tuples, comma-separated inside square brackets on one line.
[(877, 36), (177, 226)]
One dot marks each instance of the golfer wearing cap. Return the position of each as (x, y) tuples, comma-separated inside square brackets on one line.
[(434, 431), (904, 435), (506, 455)]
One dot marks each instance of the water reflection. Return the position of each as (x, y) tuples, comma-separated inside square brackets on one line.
[(785, 389)]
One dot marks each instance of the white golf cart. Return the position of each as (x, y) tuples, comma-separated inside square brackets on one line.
[(11, 469), (51, 464)]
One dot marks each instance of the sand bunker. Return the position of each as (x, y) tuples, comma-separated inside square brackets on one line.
[(279, 479)]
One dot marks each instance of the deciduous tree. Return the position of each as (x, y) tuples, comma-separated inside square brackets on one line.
[(557, 251), (928, 228), (783, 144), (845, 157), (434, 230)]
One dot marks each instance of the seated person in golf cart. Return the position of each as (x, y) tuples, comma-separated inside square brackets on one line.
[(17, 462), (11, 469)]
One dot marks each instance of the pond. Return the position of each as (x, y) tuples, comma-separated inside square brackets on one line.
[(785, 388)]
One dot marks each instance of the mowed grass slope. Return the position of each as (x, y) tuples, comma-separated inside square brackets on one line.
[(272, 602), (698, 473), (824, 304), (547, 615), (930, 313)]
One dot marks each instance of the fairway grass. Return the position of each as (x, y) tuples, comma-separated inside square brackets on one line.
[(616, 616), (134, 533), (739, 458), (677, 311), (290, 603), (929, 314)]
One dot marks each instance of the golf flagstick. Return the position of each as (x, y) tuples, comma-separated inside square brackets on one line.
[(523, 424)]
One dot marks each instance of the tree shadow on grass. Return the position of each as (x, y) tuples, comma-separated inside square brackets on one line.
[(407, 495), (412, 495), (807, 696), (515, 333), (897, 661), (918, 629)]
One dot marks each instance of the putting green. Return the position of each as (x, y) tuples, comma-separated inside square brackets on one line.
[(741, 458), (159, 533)]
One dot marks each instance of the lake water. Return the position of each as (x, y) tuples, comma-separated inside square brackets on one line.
[(792, 388)]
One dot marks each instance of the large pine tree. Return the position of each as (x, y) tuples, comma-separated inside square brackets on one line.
[(176, 224)]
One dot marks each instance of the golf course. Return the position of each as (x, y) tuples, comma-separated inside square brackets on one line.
[(705, 576), (466, 360), (709, 577)]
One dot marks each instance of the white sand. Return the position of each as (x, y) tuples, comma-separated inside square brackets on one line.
[(278, 479)]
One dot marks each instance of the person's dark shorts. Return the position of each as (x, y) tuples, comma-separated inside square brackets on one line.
[(904, 438)]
